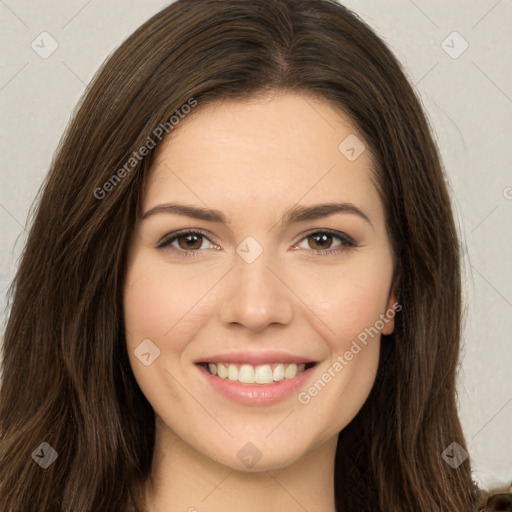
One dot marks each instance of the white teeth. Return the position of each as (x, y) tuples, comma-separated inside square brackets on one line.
[(246, 374), (222, 371), (261, 374), (278, 372), (290, 371), (232, 372)]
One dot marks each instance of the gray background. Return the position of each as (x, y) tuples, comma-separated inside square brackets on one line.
[(468, 100)]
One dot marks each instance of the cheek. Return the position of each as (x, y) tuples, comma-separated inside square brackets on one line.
[(158, 306), (148, 307), (166, 306), (161, 302), (348, 300)]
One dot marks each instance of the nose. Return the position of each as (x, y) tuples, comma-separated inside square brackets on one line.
[(256, 296)]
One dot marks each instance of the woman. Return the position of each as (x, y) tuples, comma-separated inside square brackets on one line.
[(292, 362)]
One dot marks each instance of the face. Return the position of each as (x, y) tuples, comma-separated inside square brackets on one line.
[(283, 299)]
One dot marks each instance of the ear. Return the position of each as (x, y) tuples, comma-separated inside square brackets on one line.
[(391, 308)]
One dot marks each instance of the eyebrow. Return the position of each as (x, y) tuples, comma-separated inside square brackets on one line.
[(290, 216)]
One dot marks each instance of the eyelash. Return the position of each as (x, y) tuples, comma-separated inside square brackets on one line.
[(166, 241)]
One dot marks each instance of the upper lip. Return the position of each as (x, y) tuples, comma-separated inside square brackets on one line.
[(256, 358)]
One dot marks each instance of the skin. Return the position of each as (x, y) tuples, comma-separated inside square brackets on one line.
[(252, 160)]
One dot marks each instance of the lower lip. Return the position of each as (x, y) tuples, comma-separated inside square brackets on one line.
[(256, 394)]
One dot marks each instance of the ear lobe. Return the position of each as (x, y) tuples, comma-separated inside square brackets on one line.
[(391, 308)]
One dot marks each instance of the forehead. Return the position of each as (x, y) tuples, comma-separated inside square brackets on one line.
[(270, 152)]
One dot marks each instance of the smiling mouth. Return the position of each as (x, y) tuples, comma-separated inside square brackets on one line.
[(260, 374)]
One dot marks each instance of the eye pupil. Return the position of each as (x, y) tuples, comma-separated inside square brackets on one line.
[(321, 238), (190, 238)]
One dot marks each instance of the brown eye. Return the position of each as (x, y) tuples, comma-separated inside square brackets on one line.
[(326, 242), (186, 242), (190, 241), (320, 241)]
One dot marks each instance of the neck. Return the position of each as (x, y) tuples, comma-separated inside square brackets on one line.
[(183, 479)]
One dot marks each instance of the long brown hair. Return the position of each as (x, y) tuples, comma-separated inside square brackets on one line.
[(66, 378)]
